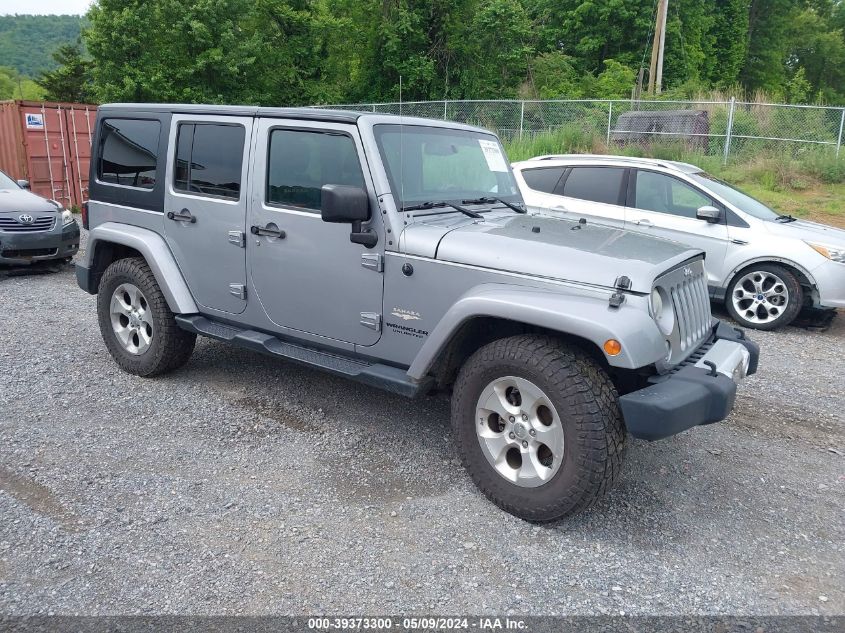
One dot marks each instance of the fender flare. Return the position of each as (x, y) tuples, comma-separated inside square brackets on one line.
[(589, 318), (158, 256), (764, 259)]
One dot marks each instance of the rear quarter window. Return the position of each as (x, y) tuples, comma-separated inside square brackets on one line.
[(128, 150)]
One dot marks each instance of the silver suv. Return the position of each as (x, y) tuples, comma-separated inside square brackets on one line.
[(764, 266), (397, 252)]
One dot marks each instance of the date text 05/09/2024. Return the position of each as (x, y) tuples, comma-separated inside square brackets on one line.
[(417, 623)]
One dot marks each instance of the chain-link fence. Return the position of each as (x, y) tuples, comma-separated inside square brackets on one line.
[(721, 128)]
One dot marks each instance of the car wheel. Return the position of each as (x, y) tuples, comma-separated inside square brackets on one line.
[(764, 297), (538, 426), (137, 326)]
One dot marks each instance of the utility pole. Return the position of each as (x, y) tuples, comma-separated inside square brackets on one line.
[(655, 73)]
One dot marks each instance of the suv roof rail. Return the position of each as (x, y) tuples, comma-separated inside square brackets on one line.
[(668, 164)]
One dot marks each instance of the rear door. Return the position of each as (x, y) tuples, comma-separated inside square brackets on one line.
[(665, 206), (540, 183), (205, 206), (594, 193)]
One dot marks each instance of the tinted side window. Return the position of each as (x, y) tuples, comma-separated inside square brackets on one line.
[(665, 194), (597, 184), (127, 153), (301, 162), (543, 179), (209, 157)]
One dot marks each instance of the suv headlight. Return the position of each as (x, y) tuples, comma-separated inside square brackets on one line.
[(833, 253), (67, 217), (661, 310)]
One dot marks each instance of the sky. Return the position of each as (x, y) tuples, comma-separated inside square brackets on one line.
[(44, 7)]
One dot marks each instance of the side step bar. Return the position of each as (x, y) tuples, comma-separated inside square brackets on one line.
[(384, 377)]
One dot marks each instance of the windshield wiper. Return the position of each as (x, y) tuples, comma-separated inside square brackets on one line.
[(786, 218), (488, 200), (438, 205)]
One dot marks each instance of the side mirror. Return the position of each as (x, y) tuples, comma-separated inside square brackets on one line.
[(713, 215), (23, 184), (341, 204)]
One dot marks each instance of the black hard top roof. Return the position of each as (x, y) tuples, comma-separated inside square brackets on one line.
[(311, 114)]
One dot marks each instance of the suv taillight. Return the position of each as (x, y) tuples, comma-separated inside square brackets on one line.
[(85, 215)]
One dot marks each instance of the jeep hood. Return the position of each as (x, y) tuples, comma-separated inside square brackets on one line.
[(22, 201), (551, 247)]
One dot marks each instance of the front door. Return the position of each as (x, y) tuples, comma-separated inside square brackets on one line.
[(307, 274), (205, 206), (665, 206)]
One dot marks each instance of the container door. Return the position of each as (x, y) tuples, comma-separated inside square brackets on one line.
[(79, 123), (48, 162)]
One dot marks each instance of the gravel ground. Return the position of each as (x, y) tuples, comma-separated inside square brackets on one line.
[(246, 485)]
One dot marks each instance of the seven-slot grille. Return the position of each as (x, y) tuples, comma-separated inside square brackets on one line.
[(686, 287), (11, 224), (691, 302)]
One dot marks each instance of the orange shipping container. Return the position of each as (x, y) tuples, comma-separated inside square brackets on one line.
[(48, 144)]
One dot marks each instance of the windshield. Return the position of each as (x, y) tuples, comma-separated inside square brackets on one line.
[(736, 197), (7, 183), (430, 164)]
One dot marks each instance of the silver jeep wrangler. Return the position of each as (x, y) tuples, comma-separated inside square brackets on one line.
[(397, 252)]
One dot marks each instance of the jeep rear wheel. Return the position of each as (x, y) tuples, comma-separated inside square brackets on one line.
[(137, 326), (538, 426)]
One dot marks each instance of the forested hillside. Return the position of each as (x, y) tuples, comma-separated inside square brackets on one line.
[(331, 51), (28, 41)]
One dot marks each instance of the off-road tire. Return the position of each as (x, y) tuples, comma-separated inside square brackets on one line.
[(587, 403), (793, 307), (171, 346)]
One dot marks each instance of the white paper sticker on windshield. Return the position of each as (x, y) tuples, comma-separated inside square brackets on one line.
[(494, 156)]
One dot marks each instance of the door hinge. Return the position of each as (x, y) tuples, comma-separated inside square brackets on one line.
[(238, 238), (239, 290), (373, 261), (371, 320)]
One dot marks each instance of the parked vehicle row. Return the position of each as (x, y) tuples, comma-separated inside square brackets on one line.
[(398, 252), (764, 266)]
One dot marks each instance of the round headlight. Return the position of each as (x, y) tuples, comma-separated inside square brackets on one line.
[(656, 302), (661, 310)]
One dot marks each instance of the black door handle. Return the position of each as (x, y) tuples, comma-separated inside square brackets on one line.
[(268, 231), (183, 216)]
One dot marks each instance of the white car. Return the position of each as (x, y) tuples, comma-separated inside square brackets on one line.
[(764, 266)]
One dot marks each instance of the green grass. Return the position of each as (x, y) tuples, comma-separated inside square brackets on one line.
[(806, 183)]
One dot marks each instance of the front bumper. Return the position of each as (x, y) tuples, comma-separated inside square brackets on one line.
[(25, 248), (700, 391), (830, 282)]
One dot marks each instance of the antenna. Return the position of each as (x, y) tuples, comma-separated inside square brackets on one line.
[(401, 151)]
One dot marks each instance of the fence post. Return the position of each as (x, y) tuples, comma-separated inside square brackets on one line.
[(609, 120), (522, 118), (841, 125), (729, 129), (445, 105)]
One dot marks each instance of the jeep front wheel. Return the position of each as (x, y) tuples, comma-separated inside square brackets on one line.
[(137, 326), (538, 426)]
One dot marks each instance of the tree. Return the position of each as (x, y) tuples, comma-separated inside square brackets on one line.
[(71, 80), (13, 85)]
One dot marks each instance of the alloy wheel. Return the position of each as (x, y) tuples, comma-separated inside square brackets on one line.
[(519, 431), (131, 319)]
